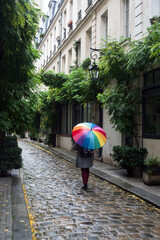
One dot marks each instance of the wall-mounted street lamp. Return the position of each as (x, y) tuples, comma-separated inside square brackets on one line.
[(94, 69)]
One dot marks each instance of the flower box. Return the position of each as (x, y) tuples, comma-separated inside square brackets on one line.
[(69, 23), (151, 179)]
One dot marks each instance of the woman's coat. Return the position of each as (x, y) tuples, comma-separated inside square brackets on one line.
[(82, 162)]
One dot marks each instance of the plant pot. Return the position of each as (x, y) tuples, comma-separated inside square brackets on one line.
[(135, 172), (151, 179)]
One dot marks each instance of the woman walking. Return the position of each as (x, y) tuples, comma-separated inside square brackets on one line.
[(84, 160)]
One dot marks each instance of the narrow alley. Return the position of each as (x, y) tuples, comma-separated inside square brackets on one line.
[(60, 209)]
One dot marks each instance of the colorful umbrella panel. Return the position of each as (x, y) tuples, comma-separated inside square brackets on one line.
[(89, 135)]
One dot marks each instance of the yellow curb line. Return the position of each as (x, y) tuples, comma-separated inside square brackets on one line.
[(30, 216)]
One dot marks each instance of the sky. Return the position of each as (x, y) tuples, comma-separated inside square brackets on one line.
[(43, 4)]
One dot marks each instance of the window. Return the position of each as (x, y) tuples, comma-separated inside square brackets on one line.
[(152, 78), (51, 45), (69, 59), (63, 63), (47, 50), (82, 114), (105, 31), (71, 9), (66, 119), (89, 2), (79, 10), (79, 53), (88, 42), (54, 42), (126, 18), (151, 104), (64, 24), (87, 112)]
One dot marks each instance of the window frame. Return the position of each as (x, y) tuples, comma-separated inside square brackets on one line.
[(126, 18), (150, 91)]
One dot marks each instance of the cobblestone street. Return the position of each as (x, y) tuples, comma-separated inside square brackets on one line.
[(60, 209)]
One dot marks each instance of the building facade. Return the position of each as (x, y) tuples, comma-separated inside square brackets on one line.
[(86, 23)]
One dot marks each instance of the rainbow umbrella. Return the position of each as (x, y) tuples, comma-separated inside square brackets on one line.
[(89, 135)]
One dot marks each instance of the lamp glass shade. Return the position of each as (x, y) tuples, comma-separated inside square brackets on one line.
[(94, 71)]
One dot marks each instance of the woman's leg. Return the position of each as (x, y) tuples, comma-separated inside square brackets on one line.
[(85, 176)]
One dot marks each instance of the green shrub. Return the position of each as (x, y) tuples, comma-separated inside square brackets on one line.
[(153, 164), (10, 155), (11, 142), (86, 63), (129, 157)]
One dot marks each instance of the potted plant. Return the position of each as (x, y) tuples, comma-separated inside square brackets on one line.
[(151, 175), (69, 23), (130, 158), (10, 156)]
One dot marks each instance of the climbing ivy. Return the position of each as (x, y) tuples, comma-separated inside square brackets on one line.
[(123, 63)]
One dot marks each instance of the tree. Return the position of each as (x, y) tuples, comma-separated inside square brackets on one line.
[(19, 23)]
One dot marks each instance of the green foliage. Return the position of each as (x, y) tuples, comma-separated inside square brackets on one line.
[(129, 157), (48, 111), (19, 22), (86, 63), (122, 106), (76, 88), (152, 161), (53, 80), (113, 61), (153, 164), (122, 63), (10, 155)]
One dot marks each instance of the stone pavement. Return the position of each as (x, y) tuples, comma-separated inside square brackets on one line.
[(114, 175), (14, 222), (62, 210)]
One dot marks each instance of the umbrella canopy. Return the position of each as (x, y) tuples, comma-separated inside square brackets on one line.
[(89, 135)]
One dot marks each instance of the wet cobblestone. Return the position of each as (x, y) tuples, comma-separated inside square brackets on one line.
[(62, 210)]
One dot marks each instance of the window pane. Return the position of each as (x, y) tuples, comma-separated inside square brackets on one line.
[(152, 116), (85, 113), (106, 27), (89, 112), (69, 119), (126, 2), (148, 79), (64, 119), (157, 76)]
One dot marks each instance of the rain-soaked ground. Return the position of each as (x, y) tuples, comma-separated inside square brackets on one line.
[(60, 209)]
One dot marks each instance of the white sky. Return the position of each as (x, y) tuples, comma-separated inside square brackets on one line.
[(43, 4)]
